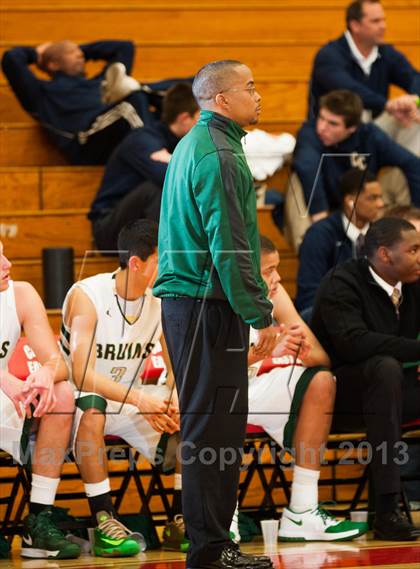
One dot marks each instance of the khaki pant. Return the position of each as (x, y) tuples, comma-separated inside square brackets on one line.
[(393, 182), (296, 217)]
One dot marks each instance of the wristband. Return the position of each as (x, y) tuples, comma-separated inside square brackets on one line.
[(418, 102)]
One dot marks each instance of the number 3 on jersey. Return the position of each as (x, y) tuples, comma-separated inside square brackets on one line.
[(117, 373)]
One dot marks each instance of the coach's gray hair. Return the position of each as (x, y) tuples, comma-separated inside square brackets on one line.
[(213, 78)]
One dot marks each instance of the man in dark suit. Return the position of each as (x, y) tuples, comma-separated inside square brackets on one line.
[(367, 318), (339, 237)]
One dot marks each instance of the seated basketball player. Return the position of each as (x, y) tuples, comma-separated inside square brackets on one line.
[(44, 400), (293, 403), (111, 322)]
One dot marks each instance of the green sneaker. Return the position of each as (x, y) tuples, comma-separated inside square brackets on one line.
[(174, 535), (42, 539), (112, 539)]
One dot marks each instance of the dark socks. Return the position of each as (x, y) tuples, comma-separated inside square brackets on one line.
[(101, 503), (36, 509), (176, 503)]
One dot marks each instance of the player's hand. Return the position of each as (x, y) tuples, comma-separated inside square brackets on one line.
[(13, 387), (161, 415), (267, 338), (39, 391), (292, 341)]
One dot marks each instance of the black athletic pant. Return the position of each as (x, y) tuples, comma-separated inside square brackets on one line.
[(208, 346), (380, 396), (141, 203)]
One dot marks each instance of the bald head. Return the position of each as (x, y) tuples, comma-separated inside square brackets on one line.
[(214, 78), (64, 56)]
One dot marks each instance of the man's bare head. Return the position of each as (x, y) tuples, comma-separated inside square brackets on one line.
[(64, 56), (213, 78), (227, 87)]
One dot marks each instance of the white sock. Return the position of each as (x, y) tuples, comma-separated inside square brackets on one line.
[(177, 481), (304, 494), (43, 489), (97, 488)]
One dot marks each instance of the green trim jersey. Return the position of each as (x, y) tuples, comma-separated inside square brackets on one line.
[(10, 328), (126, 331)]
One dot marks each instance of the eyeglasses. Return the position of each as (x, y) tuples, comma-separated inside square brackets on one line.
[(251, 90)]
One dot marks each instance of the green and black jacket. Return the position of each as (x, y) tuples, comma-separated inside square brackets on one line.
[(208, 234)]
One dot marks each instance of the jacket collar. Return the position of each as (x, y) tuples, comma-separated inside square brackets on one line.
[(211, 118)]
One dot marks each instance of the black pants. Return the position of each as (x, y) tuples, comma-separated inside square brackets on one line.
[(141, 203), (208, 346), (380, 396)]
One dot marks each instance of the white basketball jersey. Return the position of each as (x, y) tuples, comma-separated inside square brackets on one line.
[(9, 325), (122, 343)]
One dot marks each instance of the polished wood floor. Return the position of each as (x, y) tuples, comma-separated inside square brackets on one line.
[(364, 552)]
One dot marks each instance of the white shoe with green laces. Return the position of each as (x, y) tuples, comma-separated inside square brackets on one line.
[(318, 525)]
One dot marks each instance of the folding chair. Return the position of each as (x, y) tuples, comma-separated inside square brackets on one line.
[(16, 497)]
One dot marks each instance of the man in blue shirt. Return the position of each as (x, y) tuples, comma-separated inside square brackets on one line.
[(131, 187), (328, 147)]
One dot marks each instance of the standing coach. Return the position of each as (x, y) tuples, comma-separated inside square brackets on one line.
[(212, 291)]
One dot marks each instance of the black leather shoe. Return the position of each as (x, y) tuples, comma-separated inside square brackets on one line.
[(233, 558), (394, 527), (232, 553)]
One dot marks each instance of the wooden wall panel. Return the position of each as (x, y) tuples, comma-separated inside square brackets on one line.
[(24, 235), (199, 23), (26, 144), (48, 4), (19, 189), (70, 187)]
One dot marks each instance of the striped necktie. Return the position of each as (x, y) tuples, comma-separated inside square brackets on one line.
[(396, 299), (360, 246)]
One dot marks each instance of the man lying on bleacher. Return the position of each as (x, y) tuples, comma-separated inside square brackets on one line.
[(44, 402), (293, 403), (85, 117), (131, 187), (111, 322), (331, 144)]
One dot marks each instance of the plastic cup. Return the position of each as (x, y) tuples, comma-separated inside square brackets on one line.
[(359, 516), (270, 531)]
